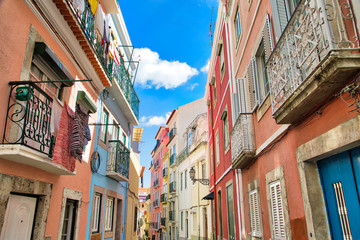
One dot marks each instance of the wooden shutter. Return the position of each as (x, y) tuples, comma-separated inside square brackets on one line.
[(241, 90), (268, 38), (277, 211), (254, 214), (252, 84), (281, 15)]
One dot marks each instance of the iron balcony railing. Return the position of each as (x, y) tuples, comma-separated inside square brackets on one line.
[(172, 133), (172, 159), (163, 221), (172, 187), (182, 155), (28, 117), (315, 28), (172, 215), (86, 20), (242, 140), (118, 158), (163, 197), (165, 172)]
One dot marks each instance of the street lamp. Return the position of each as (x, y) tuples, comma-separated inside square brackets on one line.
[(202, 181)]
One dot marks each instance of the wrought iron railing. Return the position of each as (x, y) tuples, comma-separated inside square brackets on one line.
[(172, 215), (182, 155), (28, 117), (165, 172), (163, 197), (163, 221), (86, 20), (242, 136), (118, 158), (172, 187), (172, 159), (315, 28)]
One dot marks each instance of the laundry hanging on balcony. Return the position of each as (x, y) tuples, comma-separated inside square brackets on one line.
[(106, 36), (79, 133), (93, 5), (62, 154), (79, 6), (113, 52), (99, 22), (55, 116)]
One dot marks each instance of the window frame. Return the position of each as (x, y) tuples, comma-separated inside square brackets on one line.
[(237, 24), (103, 134), (97, 213), (109, 209)]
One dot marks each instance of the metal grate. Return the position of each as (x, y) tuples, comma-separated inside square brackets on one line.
[(344, 218)]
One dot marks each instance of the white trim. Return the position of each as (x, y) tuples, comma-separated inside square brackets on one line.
[(238, 197), (222, 176), (275, 135)]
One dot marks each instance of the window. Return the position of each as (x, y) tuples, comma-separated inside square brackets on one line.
[(109, 213), (203, 170), (277, 212), (254, 214), (263, 86), (181, 223), (225, 119), (217, 149), (185, 179), (181, 181), (96, 213), (189, 141), (114, 134), (230, 211), (135, 218), (222, 62), (282, 11), (237, 24), (68, 229), (104, 125), (213, 83), (220, 225)]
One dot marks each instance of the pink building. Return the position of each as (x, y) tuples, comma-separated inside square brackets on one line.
[(162, 138)]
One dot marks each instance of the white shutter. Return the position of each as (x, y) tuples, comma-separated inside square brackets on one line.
[(277, 211), (252, 83), (268, 37), (255, 214), (281, 15)]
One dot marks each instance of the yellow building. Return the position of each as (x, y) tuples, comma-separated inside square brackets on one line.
[(147, 215), (164, 195)]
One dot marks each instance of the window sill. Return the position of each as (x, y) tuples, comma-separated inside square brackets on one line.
[(263, 107), (108, 234), (102, 144), (95, 236)]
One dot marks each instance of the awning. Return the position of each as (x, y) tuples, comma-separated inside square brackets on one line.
[(49, 57), (210, 196)]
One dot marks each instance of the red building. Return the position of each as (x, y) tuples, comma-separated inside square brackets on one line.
[(162, 138), (223, 182)]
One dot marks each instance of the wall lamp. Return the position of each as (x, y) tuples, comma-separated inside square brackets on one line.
[(202, 180)]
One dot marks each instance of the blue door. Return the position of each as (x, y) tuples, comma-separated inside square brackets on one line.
[(340, 178)]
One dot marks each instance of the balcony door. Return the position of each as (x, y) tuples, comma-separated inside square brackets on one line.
[(19, 218), (340, 178)]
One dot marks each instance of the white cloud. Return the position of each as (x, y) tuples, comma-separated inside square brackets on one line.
[(155, 120), (155, 72), (205, 68), (193, 86)]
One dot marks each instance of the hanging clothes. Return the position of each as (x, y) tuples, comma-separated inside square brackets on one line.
[(79, 6), (99, 22), (56, 112), (79, 131), (62, 154), (106, 36), (113, 52), (87, 135), (93, 5)]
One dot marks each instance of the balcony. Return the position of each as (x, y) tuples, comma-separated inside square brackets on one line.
[(172, 159), (156, 183), (163, 221), (165, 172), (148, 197), (243, 142), (182, 155), (156, 164), (172, 216), (163, 197), (82, 24), (27, 136), (118, 161), (315, 56), (172, 187)]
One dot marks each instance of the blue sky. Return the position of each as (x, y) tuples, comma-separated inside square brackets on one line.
[(172, 39)]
